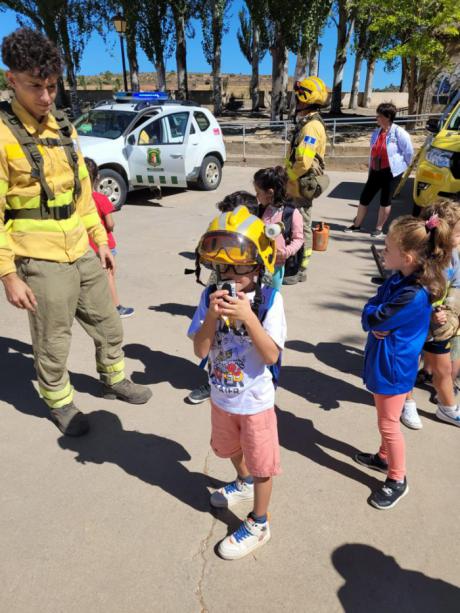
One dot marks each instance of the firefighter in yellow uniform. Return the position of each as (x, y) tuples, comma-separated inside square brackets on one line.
[(46, 213), (305, 159)]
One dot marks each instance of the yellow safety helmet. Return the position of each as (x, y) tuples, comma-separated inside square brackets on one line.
[(311, 90), (238, 238)]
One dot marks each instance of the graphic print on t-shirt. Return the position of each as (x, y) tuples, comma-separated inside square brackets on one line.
[(226, 372)]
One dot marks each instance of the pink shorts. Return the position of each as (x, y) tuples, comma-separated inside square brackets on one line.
[(254, 435)]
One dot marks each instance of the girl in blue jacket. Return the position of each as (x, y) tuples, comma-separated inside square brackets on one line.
[(397, 320)]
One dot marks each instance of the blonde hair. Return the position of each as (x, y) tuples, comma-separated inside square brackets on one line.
[(430, 244)]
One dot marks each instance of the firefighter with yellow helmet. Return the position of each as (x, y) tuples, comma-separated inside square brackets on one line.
[(46, 214), (305, 159), (241, 325)]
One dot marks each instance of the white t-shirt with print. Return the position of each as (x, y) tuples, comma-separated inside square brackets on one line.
[(240, 380)]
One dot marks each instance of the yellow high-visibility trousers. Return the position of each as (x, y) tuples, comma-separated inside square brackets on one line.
[(64, 292)]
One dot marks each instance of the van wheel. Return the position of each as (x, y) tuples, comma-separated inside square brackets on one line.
[(112, 185), (210, 173)]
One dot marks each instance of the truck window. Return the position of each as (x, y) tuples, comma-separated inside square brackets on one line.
[(202, 121), (152, 134), (177, 127)]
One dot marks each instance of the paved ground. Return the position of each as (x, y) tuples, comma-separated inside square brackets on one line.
[(119, 520)]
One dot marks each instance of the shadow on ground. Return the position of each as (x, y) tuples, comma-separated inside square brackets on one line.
[(174, 308), (300, 435), (320, 388), (375, 582), (161, 366), (154, 459), (18, 374), (343, 357)]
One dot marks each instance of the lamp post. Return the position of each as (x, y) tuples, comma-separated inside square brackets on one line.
[(120, 26)]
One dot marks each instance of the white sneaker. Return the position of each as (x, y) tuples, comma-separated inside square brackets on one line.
[(233, 493), (247, 538), (410, 417), (451, 416)]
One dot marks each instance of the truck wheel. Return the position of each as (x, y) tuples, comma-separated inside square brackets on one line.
[(112, 185), (210, 173)]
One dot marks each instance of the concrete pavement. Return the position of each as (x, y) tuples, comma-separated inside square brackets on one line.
[(119, 520)]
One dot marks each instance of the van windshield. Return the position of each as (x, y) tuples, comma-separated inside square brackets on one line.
[(454, 122), (104, 124)]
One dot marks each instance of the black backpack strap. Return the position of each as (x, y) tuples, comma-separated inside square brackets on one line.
[(30, 148), (286, 218), (65, 131)]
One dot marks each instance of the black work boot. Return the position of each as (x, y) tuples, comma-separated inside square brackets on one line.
[(128, 391), (70, 420)]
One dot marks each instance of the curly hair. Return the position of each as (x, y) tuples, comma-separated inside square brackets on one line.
[(231, 201), (27, 50)]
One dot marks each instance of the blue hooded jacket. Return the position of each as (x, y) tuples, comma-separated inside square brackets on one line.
[(403, 307)]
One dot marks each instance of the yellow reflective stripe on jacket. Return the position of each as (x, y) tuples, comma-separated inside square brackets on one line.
[(56, 400), (91, 220), (305, 150), (25, 202), (46, 225), (82, 171), (3, 187), (14, 151)]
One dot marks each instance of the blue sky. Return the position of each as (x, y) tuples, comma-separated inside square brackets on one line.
[(108, 54)]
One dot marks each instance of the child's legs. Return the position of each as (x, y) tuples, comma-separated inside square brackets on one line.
[(455, 358), (392, 449), (441, 367)]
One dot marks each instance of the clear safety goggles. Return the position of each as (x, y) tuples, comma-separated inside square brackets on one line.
[(300, 89), (226, 247)]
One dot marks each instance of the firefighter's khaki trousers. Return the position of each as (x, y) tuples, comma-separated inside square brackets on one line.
[(66, 291)]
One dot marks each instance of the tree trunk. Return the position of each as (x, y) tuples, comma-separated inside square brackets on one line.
[(355, 82), (279, 56), (412, 84), (161, 71), (344, 30), (403, 84), (299, 74), (313, 64), (181, 55), (368, 87), (217, 77), (254, 84), (132, 59), (70, 67)]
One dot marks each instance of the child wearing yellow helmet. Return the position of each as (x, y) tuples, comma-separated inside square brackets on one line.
[(244, 335)]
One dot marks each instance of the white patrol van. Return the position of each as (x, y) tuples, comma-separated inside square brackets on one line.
[(145, 140)]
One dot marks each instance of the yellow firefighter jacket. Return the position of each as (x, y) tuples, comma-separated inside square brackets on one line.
[(48, 239), (308, 141)]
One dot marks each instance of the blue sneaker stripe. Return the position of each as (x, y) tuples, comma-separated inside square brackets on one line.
[(242, 533)]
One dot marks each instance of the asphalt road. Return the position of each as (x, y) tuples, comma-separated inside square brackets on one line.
[(119, 521)]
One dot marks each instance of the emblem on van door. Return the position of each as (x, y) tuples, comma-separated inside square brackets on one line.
[(153, 157)]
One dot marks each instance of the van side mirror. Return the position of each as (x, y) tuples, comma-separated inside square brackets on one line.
[(131, 139), (432, 125)]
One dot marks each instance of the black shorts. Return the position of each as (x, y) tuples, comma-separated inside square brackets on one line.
[(379, 180), (437, 347)]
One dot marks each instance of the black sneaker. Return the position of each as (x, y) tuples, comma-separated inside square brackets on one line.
[(424, 377), (200, 394), (372, 460), (352, 228), (389, 494)]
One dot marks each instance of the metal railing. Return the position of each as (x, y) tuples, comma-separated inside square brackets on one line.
[(337, 127)]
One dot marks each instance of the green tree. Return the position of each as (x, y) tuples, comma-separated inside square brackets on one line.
[(253, 40), (213, 15), (344, 16), (155, 28), (182, 12), (68, 23), (420, 33), (81, 81)]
